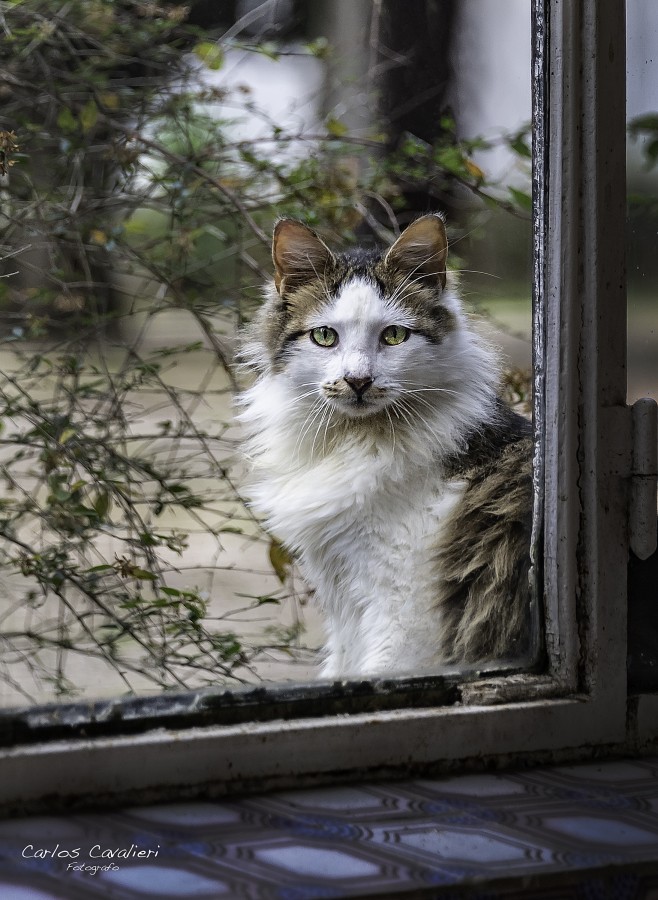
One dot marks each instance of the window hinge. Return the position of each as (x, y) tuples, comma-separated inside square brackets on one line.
[(644, 478)]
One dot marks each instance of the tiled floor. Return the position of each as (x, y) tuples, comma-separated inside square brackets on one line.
[(587, 831)]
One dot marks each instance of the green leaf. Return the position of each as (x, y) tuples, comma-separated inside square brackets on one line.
[(647, 122), (521, 199), (269, 49), (142, 574), (280, 560), (66, 120), (210, 54), (319, 48), (102, 504), (88, 116), (520, 146), (651, 151), (450, 158), (335, 127)]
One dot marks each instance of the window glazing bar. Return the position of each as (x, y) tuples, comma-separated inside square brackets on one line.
[(587, 433)]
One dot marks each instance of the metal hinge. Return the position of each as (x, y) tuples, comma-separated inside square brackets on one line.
[(644, 478)]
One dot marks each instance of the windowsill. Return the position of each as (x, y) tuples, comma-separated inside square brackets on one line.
[(265, 703)]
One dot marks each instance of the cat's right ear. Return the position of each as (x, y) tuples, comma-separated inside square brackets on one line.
[(299, 255)]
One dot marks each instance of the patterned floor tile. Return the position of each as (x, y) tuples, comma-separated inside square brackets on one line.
[(586, 831)]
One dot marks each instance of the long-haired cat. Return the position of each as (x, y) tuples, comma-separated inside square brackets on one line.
[(383, 457)]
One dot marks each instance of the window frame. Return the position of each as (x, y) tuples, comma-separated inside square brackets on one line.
[(582, 472)]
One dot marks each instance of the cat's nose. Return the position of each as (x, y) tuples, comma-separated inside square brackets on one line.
[(358, 385)]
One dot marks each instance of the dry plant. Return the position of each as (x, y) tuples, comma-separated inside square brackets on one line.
[(135, 241)]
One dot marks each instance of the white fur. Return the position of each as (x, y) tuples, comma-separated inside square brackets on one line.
[(364, 513)]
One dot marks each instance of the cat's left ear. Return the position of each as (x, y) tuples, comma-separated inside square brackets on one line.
[(421, 249)]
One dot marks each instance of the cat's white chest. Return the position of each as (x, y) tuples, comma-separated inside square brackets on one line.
[(365, 533)]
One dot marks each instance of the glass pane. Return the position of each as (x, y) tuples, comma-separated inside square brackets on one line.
[(138, 207), (642, 112), (642, 227)]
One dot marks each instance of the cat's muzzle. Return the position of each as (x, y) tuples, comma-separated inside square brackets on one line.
[(358, 385)]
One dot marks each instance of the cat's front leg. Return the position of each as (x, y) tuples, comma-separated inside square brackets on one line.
[(338, 652), (400, 637)]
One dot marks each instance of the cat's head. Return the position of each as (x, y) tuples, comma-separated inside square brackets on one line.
[(365, 331)]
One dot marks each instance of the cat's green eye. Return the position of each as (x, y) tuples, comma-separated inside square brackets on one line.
[(324, 336), (395, 334)]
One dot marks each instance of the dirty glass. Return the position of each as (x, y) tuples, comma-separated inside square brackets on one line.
[(642, 219), (641, 230), (138, 200)]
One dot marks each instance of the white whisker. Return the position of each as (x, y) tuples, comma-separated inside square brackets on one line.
[(324, 436), (314, 412), (432, 431), (420, 400), (327, 411), (295, 400), (392, 428), (399, 410), (422, 390)]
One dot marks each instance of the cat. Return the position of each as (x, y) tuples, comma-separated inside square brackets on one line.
[(383, 457)]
